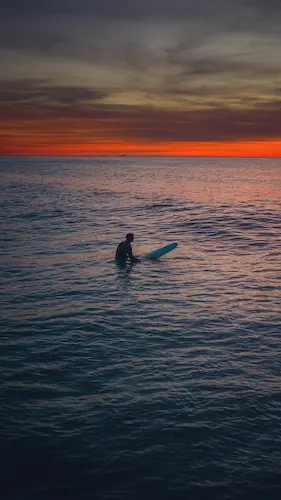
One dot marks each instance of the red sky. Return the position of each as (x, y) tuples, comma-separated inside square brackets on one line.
[(86, 78), (95, 129)]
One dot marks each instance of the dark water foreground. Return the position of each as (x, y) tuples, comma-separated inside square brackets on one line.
[(162, 382)]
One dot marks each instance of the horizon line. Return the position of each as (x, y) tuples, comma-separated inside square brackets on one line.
[(132, 156)]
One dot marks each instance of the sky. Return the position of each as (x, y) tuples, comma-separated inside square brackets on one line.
[(149, 77)]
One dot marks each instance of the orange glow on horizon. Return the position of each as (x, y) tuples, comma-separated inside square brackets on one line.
[(258, 148), (25, 132)]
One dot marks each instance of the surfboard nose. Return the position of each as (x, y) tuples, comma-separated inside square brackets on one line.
[(161, 251)]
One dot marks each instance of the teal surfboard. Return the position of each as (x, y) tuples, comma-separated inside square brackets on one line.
[(161, 251)]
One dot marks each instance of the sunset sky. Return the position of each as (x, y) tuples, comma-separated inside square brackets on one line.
[(149, 77)]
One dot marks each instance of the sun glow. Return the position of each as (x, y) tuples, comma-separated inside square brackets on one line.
[(32, 146)]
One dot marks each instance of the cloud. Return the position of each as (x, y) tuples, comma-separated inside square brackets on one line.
[(38, 91), (203, 125), (123, 8), (83, 112), (257, 15), (175, 70), (139, 35), (136, 33)]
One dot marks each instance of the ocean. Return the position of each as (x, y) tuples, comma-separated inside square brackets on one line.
[(158, 381)]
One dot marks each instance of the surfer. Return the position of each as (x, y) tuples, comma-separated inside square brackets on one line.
[(124, 251)]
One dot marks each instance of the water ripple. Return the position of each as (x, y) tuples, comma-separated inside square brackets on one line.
[(159, 381)]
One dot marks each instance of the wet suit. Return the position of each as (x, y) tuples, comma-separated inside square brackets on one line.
[(123, 251)]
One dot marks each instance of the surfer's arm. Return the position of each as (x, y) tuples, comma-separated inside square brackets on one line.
[(131, 256), (135, 259)]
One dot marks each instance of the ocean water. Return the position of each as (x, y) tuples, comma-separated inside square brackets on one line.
[(160, 381)]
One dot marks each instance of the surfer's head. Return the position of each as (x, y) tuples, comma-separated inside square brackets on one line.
[(130, 237)]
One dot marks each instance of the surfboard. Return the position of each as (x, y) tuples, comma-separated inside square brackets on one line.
[(161, 251)]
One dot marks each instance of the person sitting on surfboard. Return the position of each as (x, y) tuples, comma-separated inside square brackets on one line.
[(124, 251)]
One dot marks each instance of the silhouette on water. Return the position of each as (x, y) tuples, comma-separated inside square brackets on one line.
[(124, 252)]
